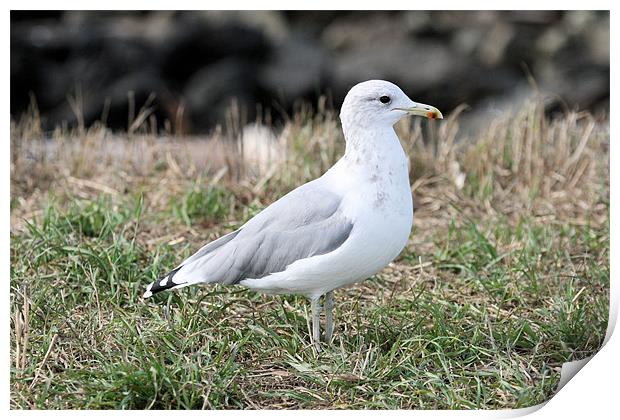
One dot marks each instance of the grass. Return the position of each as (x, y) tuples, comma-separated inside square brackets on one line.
[(505, 278)]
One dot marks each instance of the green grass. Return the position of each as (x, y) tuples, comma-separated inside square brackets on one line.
[(208, 204), (485, 328), (505, 277)]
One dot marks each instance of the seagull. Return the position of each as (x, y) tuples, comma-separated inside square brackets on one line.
[(331, 232)]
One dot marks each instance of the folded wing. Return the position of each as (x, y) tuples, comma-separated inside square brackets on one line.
[(306, 222)]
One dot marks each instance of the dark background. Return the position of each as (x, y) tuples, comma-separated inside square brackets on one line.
[(196, 63)]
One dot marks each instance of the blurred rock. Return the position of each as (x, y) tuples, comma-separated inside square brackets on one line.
[(196, 62), (416, 21), (420, 65), (210, 91), (195, 45), (597, 41), (119, 103), (578, 86), (552, 41), (492, 50), (576, 22), (296, 68), (271, 23), (466, 40), (350, 32)]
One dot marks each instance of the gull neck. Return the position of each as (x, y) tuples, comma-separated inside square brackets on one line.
[(373, 146)]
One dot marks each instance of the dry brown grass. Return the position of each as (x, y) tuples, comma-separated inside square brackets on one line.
[(519, 163), (507, 262)]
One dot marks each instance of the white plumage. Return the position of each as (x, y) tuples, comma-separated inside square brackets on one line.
[(338, 229)]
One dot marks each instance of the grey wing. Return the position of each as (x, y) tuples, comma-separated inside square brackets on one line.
[(210, 247), (306, 222)]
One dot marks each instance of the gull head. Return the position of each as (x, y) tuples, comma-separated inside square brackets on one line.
[(380, 103)]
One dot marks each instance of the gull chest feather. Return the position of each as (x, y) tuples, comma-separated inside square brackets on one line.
[(378, 200)]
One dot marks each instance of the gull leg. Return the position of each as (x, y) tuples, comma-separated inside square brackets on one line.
[(329, 316), (316, 326)]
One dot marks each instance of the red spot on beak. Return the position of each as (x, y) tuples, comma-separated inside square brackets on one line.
[(431, 115)]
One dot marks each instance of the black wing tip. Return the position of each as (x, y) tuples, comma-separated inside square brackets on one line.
[(157, 286)]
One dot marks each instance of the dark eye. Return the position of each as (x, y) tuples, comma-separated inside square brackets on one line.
[(385, 99)]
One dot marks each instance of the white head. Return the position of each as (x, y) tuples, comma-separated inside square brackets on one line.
[(380, 103)]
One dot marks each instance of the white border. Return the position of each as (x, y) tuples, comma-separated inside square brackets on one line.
[(592, 393)]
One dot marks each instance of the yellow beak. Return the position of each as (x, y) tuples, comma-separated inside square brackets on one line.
[(423, 110)]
